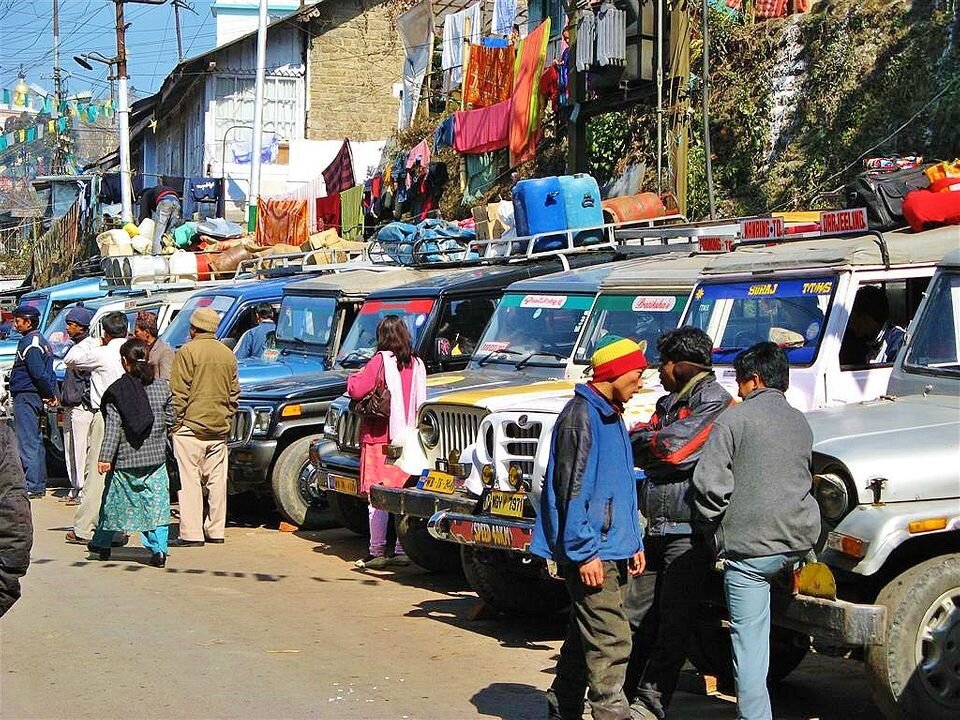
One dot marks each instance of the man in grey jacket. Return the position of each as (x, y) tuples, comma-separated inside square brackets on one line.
[(753, 488)]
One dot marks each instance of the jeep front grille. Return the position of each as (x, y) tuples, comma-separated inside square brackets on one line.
[(241, 427), (521, 445), (458, 428), (348, 433)]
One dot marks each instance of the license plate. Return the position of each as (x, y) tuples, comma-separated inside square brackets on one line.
[(507, 504), (341, 484), (439, 482)]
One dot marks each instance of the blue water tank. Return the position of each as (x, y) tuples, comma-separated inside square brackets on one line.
[(538, 208)]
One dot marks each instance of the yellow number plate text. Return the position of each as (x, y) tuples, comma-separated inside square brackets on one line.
[(507, 504), (345, 485), (439, 482)]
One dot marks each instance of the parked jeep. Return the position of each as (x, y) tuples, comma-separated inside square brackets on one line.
[(639, 299), (888, 483), (800, 293)]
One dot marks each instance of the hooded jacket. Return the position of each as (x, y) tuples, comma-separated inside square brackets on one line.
[(668, 447), (588, 506), (32, 370)]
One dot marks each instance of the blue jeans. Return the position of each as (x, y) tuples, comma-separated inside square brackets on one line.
[(164, 218), (27, 410), (746, 582)]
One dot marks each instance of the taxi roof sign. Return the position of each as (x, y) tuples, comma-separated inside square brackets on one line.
[(841, 222), (762, 228)]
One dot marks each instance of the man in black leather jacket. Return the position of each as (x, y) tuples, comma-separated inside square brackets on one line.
[(662, 603), (16, 524)]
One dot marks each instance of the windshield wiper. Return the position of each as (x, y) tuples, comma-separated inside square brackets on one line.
[(505, 351), (523, 361), (357, 354)]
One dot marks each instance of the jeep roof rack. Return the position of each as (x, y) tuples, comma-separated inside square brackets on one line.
[(291, 263)]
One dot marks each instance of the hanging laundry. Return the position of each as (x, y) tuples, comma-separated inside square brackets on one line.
[(206, 188), (611, 36), (586, 40), (281, 221), (338, 175), (328, 213), (455, 35), (242, 150), (482, 130), (504, 15), (495, 42), (550, 84), (482, 171), (524, 102), (416, 34), (443, 135), (419, 154), (766, 9), (351, 213), (489, 77)]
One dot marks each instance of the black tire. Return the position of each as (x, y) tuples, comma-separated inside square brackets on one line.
[(911, 676), (293, 488), (711, 653), (350, 512), (514, 587), (425, 550)]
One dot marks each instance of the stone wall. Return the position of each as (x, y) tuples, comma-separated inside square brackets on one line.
[(355, 58)]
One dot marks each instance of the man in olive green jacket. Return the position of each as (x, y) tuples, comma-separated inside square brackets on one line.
[(205, 390)]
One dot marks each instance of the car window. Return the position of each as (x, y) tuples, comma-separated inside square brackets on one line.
[(462, 322), (306, 319), (791, 313), (361, 341), (876, 327), (936, 341), (639, 317), (178, 331)]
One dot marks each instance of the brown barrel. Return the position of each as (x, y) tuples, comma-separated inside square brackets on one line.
[(632, 207)]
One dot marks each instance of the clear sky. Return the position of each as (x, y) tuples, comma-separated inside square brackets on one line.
[(26, 37)]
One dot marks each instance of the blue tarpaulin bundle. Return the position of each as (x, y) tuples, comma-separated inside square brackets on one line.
[(430, 241)]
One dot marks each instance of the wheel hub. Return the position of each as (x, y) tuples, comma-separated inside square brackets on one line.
[(306, 485), (938, 649)]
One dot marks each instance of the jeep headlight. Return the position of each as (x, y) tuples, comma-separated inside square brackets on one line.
[(331, 424), (831, 493), (429, 429), (261, 420)]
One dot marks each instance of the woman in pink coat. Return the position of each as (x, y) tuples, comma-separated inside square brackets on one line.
[(405, 377)]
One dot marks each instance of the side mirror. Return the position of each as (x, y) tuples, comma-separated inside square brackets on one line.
[(442, 350), (230, 342)]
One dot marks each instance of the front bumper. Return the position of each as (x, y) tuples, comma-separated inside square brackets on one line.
[(482, 531), (346, 467), (418, 503), (249, 465)]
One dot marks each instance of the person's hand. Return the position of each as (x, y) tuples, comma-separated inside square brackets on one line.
[(591, 573), (103, 468), (51, 402), (637, 564)]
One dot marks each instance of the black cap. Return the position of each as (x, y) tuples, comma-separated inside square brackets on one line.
[(27, 311)]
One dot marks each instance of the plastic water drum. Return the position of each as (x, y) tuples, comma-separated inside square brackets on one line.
[(144, 268), (581, 202), (538, 208), (641, 206), (183, 265)]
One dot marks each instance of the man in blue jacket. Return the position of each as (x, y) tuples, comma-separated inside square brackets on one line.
[(33, 386), (588, 523), (254, 341)]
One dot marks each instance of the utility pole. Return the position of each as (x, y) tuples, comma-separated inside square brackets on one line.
[(176, 17), (123, 119), (708, 161), (254, 192), (58, 155)]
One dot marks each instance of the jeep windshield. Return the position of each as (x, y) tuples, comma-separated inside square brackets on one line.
[(361, 342), (533, 329), (790, 312), (178, 332), (639, 317), (935, 346), (305, 323)]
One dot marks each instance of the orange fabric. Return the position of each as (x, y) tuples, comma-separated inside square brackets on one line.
[(282, 221), (524, 107), (489, 77)]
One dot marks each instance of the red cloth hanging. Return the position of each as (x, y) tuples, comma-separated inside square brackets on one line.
[(489, 76), (282, 221), (482, 130), (524, 101), (328, 213), (338, 175)]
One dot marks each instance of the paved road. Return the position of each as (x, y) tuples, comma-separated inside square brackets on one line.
[(277, 625)]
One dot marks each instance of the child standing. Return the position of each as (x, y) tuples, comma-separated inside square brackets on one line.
[(588, 524)]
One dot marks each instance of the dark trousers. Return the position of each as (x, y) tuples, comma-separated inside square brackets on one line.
[(594, 654), (662, 605), (27, 410)]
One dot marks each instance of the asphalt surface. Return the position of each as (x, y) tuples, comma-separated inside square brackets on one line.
[(281, 625)]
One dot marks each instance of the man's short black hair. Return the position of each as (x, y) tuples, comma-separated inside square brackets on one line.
[(872, 300), (265, 311), (686, 344), (115, 325), (768, 361)]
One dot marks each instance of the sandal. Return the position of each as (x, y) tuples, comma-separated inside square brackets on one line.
[(372, 562)]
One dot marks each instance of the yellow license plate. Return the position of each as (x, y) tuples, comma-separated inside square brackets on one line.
[(341, 484), (439, 482), (507, 504)]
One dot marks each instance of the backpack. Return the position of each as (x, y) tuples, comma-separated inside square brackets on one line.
[(882, 194)]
